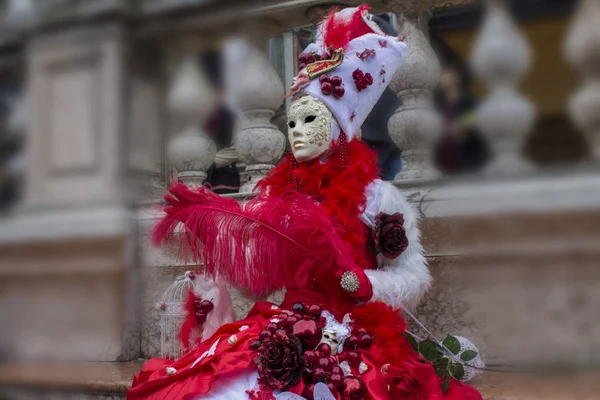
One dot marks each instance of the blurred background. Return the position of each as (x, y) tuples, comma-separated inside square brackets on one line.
[(491, 128)]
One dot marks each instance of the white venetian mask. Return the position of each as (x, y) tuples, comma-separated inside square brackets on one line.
[(309, 128), (331, 339)]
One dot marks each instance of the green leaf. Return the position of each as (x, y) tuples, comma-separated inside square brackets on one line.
[(458, 372), (441, 367), (413, 342), (429, 350), (452, 344), (446, 385), (468, 355)]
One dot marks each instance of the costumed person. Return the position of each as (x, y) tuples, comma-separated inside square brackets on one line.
[(341, 242)]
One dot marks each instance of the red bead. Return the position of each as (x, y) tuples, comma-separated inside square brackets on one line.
[(281, 335), (265, 335), (333, 361), (337, 380), (298, 307), (314, 310), (337, 370), (302, 57), (325, 363), (198, 304), (301, 66), (310, 356), (272, 327), (308, 331), (282, 317), (365, 341), (200, 317), (325, 349), (324, 78), (336, 80), (192, 275), (207, 306), (326, 88), (351, 342), (319, 375), (289, 323), (354, 388), (338, 92), (353, 358), (255, 345), (361, 331), (309, 391), (318, 354), (310, 59), (342, 356), (307, 375), (163, 307)]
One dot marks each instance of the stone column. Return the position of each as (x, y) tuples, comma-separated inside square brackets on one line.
[(259, 93), (190, 101), (582, 49), (500, 58), (68, 255), (415, 124)]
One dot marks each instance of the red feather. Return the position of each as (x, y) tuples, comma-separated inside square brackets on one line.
[(269, 243), (338, 29), (189, 323)]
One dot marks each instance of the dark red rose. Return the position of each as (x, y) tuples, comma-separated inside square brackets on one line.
[(368, 79), (279, 361), (413, 380), (357, 75), (389, 234)]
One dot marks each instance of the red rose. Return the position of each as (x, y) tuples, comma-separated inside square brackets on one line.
[(280, 362), (368, 79), (413, 380), (389, 234), (357, 75)]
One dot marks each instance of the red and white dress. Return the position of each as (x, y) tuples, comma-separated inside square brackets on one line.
[(269, 351)]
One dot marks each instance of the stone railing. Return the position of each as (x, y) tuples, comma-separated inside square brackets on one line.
[(115, 97)]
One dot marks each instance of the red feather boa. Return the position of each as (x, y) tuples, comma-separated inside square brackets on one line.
[(339, 190)]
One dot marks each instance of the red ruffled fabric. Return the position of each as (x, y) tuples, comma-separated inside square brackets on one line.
[(408, 376)]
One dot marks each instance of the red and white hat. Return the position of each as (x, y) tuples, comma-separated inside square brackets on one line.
[(349, 66)]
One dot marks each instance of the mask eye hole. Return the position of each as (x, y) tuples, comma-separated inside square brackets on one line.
[(335, 341), (291, 124), (310, 118)]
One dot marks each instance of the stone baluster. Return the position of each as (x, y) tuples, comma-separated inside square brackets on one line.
[(190, 102), (582, 49), (259, 93), (500, 58), (416, 124)]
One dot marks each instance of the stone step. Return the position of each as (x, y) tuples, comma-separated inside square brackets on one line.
[(110, 381), (74, 381)]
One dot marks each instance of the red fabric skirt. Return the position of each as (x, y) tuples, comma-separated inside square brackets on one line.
[(195, 372)]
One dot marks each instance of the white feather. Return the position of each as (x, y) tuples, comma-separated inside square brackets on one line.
[(399, 282)]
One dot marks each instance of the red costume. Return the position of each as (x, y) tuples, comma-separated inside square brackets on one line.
[(343, 244)]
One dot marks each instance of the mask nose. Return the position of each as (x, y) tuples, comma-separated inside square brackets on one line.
[(296, 134)]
